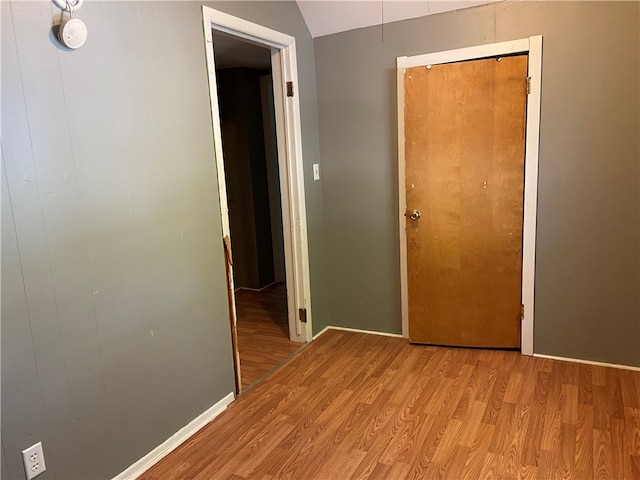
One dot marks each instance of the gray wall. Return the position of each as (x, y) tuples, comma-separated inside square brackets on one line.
[(587, 270), (114, 314)]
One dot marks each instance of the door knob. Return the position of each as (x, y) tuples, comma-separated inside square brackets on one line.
[(415, 215)]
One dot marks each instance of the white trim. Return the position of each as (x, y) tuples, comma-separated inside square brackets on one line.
[(532, 46), (173, 442), (289, 138), (298, 276), (531, 193), (588, 362), (402, 205), (357, 330), (238, 27), (469, 53)]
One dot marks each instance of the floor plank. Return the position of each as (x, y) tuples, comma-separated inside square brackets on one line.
[(263, 331), (352, 405)]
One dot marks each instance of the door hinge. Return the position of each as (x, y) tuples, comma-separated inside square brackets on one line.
[(289, 89), (303, 314), (528, 85), (522, 313)]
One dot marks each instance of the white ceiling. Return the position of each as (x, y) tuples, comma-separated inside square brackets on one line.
[(325, 17)]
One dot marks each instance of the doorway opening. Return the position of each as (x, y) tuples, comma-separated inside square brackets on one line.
[(249, 144), (251, 189)]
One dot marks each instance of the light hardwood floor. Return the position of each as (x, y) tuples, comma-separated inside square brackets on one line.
[(263, 332), (359, 406)]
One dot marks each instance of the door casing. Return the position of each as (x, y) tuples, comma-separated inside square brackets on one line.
[(533, 47), (289, 143)]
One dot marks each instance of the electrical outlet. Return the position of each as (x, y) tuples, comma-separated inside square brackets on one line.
[(316, 171), (33, 458)]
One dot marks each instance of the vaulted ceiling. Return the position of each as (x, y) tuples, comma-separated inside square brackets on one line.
[(325, 17)]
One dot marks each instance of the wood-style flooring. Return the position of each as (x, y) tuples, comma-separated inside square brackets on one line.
[(357, 406), (263, 331)]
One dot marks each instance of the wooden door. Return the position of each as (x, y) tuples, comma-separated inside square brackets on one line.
[(464, 153)]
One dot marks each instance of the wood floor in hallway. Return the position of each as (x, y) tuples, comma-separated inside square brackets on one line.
[(263, 331), (358, 406)]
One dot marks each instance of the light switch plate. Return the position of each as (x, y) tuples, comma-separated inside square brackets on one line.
[(316, 171)]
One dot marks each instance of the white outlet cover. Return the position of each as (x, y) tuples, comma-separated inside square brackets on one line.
[(33, 459), (316, 171)]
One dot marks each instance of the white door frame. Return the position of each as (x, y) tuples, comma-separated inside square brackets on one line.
[(533, 47), (289, 140)]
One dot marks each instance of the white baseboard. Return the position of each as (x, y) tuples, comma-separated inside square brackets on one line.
[(173, 442), (356, 330), (588, 362)]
